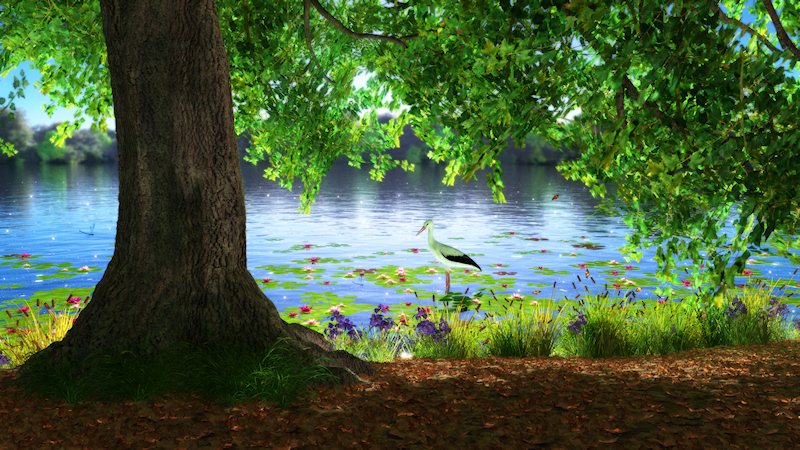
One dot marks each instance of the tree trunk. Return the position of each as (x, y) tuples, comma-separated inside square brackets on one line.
[(179, 271)]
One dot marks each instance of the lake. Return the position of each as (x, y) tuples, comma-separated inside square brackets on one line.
[(358, 237)]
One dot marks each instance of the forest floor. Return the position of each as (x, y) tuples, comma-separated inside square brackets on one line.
[(723, 397)]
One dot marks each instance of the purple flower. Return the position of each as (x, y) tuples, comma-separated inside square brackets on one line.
[(4, 360), (776, 308), (737, 308), (343, 325), (577, 325)]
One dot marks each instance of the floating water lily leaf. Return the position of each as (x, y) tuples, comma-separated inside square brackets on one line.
[(15, 257), (589, 246), (302, 247), (308, 261), (276, 284), (549, 272), (284, 270), (12, 286)]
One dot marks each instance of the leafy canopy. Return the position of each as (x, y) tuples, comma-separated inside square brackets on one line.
[(689, 111)]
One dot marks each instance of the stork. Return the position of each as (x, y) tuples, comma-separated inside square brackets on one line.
[(448, 256)]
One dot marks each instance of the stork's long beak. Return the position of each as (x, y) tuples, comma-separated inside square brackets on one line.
[(420, 231)]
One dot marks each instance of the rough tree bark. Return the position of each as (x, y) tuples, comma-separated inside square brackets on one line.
[(179, 272)]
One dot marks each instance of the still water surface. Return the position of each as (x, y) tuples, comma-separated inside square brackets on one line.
[(67, 214)]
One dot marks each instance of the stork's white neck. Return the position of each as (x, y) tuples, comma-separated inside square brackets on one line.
[(431, 240)]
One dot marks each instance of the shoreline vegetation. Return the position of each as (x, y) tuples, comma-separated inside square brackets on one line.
[(596, 328), (34, 146)]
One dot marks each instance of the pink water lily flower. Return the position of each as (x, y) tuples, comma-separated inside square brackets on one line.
[(382, 277), (540, 267), (573, 254), (25, 255), (628, 267), (306, 245), (543, 251), (266, 280), (85, 268), (292, 314), (617, 286), (334, 309), (747, 272), (515, 296), (499, 265), (751, 261), (475, 300), (613, 261), (408, 291), (504, 285), (305, 309), (311, 322), (72, 299), (581, 265), (534, 303), (415, 250), (614, 272), (401, 279), (24, 309), (326, 282), (309, 277), (26, 265), (400, 272), (686, 283), (390, 281), (512, 232), (314, 260), (308, 269), (432, 270)]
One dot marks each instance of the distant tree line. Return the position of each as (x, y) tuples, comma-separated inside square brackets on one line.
[(94, 146), (34, 146)]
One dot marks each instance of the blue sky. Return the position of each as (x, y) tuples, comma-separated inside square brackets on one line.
[(34, 101)]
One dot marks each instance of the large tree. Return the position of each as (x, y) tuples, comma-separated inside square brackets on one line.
[(178, 273), (688, 121)]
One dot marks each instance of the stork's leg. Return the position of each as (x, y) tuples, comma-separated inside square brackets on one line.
[(447, 286)]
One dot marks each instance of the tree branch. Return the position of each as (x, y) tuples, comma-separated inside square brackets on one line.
[(743, 26), (783, 37), (307, 26), (339, 26)]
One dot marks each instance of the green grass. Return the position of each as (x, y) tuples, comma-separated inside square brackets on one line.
[(597, 327), (215, 372)]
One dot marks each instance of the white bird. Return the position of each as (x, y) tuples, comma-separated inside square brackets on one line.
[(448, 256)]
